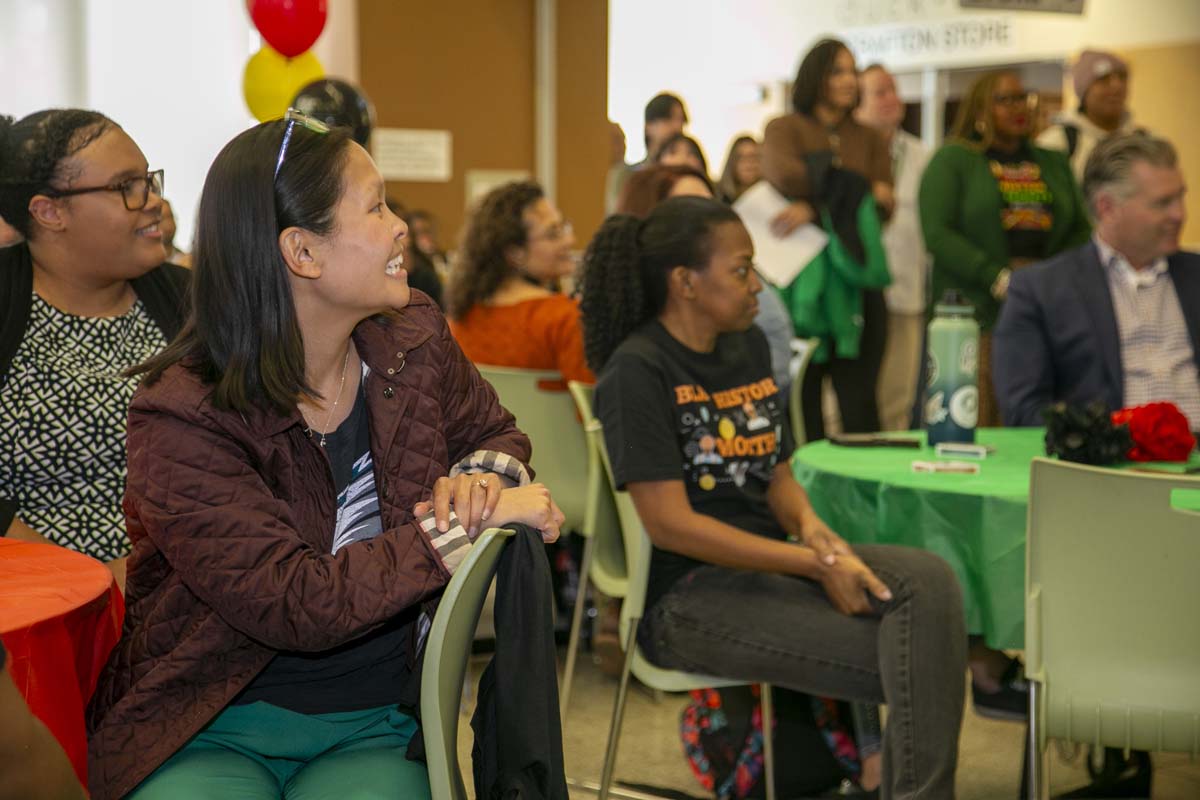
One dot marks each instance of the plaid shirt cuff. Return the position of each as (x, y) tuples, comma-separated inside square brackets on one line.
[(451, 546), (504, 465)]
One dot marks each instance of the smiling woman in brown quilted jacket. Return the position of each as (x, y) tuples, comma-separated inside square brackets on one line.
[(308, 463)]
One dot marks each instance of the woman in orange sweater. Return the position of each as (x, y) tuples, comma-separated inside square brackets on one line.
[(502, 297)]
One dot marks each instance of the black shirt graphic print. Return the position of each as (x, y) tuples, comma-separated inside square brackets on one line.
[(717, 421)]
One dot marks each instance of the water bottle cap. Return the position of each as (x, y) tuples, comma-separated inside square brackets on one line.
[(955, 304)]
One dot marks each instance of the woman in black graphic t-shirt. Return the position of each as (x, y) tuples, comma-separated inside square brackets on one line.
[(746, 581)]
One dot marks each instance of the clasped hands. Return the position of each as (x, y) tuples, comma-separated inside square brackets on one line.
[(482, 497), (845, 578)]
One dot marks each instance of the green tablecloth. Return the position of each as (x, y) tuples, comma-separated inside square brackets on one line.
[(975, 522)]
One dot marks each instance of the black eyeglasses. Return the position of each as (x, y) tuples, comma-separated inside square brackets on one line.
[(294, 117), (135, 192)]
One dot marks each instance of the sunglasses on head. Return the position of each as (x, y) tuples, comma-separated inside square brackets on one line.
[(294, 118)]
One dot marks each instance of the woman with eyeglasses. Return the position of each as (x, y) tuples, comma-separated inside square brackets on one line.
[(991, 202), (309, 462), (743, 168), (503, 295), (84, 295)]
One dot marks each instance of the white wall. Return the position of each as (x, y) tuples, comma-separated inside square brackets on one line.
[(717, 54), (41, 42), (168, 71)]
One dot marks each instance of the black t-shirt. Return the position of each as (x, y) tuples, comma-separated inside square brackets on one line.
[(1026, 211), (717, 421), (373, 670)]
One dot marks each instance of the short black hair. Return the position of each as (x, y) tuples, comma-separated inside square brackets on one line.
[(809, 88), (662, 105)]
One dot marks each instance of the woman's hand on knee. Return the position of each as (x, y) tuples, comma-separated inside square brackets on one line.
[(848, 581), (820, 537), (529, 505)]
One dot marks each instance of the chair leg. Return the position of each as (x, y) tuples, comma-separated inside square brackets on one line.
[(614, 730), (768, 726), (564, 693), (1035, 756)]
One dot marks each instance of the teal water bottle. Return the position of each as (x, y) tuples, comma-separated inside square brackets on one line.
[(952, 402)]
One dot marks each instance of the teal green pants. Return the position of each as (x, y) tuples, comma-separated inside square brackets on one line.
[(260, 751)]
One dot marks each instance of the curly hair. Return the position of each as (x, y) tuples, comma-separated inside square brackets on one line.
[(35, 155), (973, 121), (497, 224), (650, 185), (626, 266)]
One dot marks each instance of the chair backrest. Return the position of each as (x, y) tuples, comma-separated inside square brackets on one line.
[(445, 664), (1111, 594), (630, 544), (548, 418), (635, 541), (802, 353), (601, 521)]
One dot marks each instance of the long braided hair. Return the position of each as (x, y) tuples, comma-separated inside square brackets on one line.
[(626, 265)]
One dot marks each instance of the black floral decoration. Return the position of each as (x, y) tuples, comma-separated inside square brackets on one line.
[(1085, 435)]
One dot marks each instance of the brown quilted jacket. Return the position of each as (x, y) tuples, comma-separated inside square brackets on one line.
[(232, 516)]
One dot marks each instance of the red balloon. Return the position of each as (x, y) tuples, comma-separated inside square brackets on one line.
[(289, 26)]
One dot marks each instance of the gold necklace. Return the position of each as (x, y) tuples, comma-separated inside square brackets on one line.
[(337, 397)]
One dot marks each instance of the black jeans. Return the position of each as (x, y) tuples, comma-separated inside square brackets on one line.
[(854, 379), (911, 653)]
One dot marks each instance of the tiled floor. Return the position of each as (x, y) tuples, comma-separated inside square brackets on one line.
[(650, 752)]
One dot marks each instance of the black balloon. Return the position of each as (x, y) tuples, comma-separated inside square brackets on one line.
[(338, 104)]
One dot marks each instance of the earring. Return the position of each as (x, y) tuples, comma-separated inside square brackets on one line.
[(980, 126)]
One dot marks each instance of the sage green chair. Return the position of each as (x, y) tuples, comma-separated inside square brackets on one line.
[(802, 353), (444, 668), (603, 550), (548, 418), (1112, 643), (637, 548)]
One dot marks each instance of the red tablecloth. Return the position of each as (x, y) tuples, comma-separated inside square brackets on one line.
[(60, 616)]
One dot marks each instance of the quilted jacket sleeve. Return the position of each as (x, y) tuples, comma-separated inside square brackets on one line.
[(235, 545), (475, 420)]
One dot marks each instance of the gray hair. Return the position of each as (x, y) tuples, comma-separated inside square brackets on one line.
[(1111, 162)]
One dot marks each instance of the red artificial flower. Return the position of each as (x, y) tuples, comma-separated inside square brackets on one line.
[(1160, 432)]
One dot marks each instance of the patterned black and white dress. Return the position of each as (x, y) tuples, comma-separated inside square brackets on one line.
[(63, 411)]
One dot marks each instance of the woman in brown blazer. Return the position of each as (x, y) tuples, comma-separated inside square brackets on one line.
[(797, 151)]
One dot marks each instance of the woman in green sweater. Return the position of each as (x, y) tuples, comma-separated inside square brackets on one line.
[(991, 202)]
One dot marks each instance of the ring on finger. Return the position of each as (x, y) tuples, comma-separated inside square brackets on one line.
[(482, 482)]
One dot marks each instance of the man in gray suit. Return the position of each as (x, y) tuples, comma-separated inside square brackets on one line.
[(1117, 319)]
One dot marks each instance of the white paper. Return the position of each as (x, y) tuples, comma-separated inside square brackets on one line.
[(778, 260), (405, 154)]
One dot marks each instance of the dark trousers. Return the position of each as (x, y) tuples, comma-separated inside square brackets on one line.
[(910, 653), (854, 379)]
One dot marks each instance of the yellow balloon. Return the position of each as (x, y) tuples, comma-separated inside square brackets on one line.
[(271, 81)]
